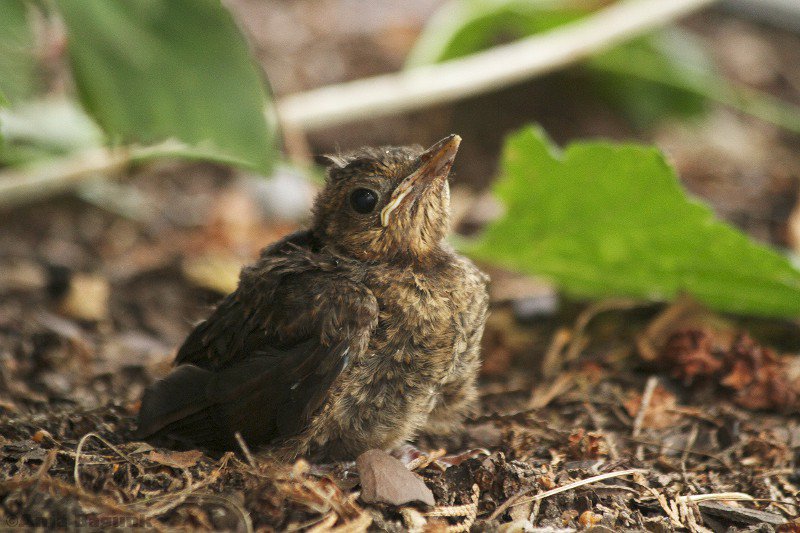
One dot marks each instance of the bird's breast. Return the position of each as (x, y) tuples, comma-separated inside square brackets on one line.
[(414, 346)]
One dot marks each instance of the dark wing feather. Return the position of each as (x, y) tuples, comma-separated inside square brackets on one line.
[(229, 334), (263, 363), (309, 390), (240, 325), (179, 395)]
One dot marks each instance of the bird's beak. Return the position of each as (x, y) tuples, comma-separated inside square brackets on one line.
[(435, 164)]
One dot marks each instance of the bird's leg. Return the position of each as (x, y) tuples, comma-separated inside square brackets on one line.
[(414, 458), (341, 470)]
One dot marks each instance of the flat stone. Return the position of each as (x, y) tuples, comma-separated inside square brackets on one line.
[(385, 479)]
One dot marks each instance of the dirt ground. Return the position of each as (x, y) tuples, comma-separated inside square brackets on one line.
[(603, 416)]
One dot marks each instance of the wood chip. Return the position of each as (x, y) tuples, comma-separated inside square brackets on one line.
[(176, 459), (740, 515), (87, 298)]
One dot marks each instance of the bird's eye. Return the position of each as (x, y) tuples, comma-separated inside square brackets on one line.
[(363, 200)]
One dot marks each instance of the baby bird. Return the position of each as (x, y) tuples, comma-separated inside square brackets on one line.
[(357, 333)]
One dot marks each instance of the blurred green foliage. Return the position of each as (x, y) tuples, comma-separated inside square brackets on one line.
[(44, 128), (647, 79), (18, 77), (463, 27), (605, 219), (624, 76), (149, 71)]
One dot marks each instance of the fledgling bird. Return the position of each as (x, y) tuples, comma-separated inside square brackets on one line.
[(357, 333)]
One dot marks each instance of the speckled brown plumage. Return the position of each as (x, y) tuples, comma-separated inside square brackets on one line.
[(357, 333)]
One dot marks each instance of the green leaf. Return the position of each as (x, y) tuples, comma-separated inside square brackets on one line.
[(604, 219), (153, 70), (43, 128), (3, 103), (463, 27), (18, 68), (623, 76)]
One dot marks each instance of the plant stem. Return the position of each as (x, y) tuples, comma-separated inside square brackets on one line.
[(42, 179), (48, 178), (482, 72)]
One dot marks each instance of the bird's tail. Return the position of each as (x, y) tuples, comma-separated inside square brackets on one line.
[(179, 408), (193, 406)]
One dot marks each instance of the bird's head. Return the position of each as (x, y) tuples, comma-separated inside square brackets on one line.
[(384, 203)]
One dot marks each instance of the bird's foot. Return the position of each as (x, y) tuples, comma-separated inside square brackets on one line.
[(416, 459)]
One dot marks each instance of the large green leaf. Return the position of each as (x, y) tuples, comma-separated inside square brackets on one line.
[(152, 70), (606, 219), (18, 74)]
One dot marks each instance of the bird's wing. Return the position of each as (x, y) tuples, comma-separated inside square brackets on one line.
[(254, 317), (263, 362)]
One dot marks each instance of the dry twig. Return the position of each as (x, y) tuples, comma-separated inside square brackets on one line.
[(76, 471), (245, 450), (517, 498), (647, 396), (717, 497)]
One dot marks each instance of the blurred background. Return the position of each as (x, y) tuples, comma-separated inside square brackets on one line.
[(745, 167)]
